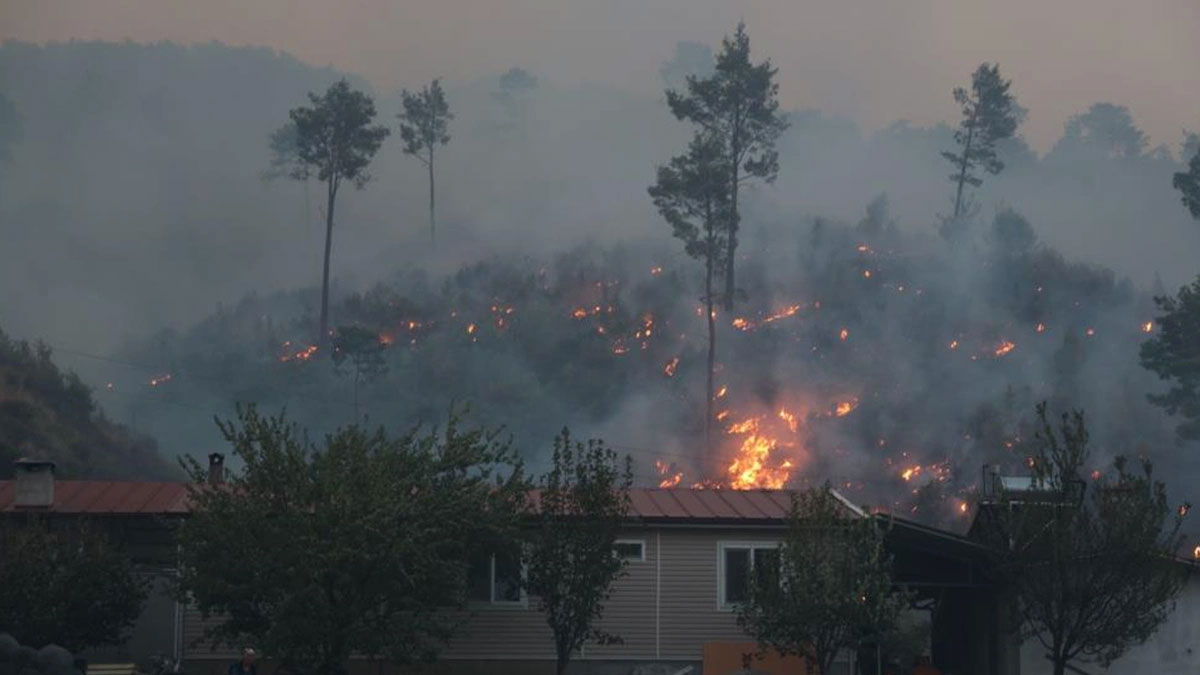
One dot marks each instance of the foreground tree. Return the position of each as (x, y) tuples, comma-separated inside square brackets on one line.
[(1174, 354), (334, 141), (580, 506), (1188, 183), (424, 124), (990, 114), (355, 546), (829, 589), (360, 350), (738, 106), (67, 587), (1091, 574), (691, 195)]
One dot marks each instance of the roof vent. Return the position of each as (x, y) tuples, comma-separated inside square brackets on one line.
[(35, 484)]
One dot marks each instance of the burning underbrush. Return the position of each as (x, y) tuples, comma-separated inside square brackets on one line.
[(892, 365)]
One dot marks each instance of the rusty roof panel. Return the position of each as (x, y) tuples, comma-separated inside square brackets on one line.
[(641, 505), (693, 504), (116, 497)]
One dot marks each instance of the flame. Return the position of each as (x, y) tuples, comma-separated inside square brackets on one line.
[(742, 324), (844, 334), (302, 355), (655, 271), (669, 369), (159, 379), (784, 313), (751, 467), (863, 248), (1196, 553), (963, 508), (722, 415), (1004, 348), (844, 408), (470, 329), (386, 339), (579, 313), (1148, 327), (722, 391), (1183, 509), (619, 347), (911, 472), (867, 274), (789, 418), (1096, 474), (1091, 332), (671, 478), (954, 344)]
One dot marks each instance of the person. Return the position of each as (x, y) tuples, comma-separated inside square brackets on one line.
[(247, 665)]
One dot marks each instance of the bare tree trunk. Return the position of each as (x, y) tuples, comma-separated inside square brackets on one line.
[(731, 248), (962, 169), (331, 192), (432, 233), (712, 356)]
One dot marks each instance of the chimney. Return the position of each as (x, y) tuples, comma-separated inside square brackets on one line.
[(35, 484), (216, 468)]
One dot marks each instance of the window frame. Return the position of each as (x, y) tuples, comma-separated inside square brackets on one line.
[(641, 558), (722, 547), (492, 602)]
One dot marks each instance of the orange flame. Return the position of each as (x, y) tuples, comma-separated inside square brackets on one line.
[(844, 408), (579, 313), (954, 344), (911, 472), (302, 355), (1196, 553), (1148, 327), (742, 324), (671, 478), (789, 418), (1004, 348), (784, 313), (669, 369), (844, 334), (1041, 327), (751, 467)]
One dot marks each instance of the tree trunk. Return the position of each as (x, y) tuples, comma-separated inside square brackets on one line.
[(331, 191), (432, 232), (1060, 668), (962, 169), (560, 666), (731, 248), (712, 355)]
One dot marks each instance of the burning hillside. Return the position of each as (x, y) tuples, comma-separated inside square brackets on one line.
[(896, 384)]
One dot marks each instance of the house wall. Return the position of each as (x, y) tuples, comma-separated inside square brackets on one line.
[(664, 609), (1173, 650)]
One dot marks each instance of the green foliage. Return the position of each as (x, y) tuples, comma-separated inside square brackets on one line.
[(68, 587), (580, 506), (1188, 184), (46, 412), (990, 114), (1174, 354), (334, 138), (737, 107), (1012, 235), (1091, 574), (831, 588), (357, 545)]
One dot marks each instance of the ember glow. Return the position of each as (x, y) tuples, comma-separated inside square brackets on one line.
[(1041, 328), (159, 379), (302, 355), (1148, 327), (844, 334), (846, 407), (670, 476), (1004, 347), (753, 466), (669, 369)]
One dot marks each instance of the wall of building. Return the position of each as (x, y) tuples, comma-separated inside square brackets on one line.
[(1173, 650)]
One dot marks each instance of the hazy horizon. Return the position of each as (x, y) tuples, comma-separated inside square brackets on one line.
[(871, 62)]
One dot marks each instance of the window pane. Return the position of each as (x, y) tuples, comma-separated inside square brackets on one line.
[(737, 573), (766, 565), (629, 550), (479, 578), (508, 578)]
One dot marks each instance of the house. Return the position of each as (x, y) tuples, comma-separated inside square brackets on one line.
[(688, 553)]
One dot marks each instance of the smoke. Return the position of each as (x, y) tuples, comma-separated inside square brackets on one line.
[(149, 245)]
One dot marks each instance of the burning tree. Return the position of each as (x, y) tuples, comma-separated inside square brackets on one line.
[(990, 114), (738, 107), (424, 125), (1090, 575), (830, 587), (354, 547), (691, 196), (577, 514), (334, 141), (1174, 353)]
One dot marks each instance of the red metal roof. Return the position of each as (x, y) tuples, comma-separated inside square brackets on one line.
[(657, 504), (112, 497)]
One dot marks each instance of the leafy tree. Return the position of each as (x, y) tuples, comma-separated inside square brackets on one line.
[(1174, 354), (578, 512), (1091, 574), (692, 197), (355, 546), (1105, 129), (738, 106), (335, 141), (363, 350), (831, 587), (990, 114), (1188, 182), (423, 126), (69, 587), (1012, 235)]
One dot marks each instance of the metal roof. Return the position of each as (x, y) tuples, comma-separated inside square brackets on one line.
[(650, 504), (106, 497)]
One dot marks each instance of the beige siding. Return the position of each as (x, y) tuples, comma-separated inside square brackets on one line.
[(689, 610), (663, 608)]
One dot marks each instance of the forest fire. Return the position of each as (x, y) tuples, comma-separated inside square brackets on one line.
[(843, 408), (671, 477), (752, 466), (1004, 347), (301, 355)]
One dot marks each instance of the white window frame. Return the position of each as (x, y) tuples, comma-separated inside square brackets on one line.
[(492, 602), (640, 542), (723, 546)]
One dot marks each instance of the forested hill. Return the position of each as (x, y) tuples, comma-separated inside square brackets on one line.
[(46, 412)]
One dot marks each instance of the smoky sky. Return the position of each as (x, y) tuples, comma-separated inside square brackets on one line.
[(872, 60)]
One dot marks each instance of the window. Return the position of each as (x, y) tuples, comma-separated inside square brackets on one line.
[(632, 550), (495, 579), (738, 563)]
